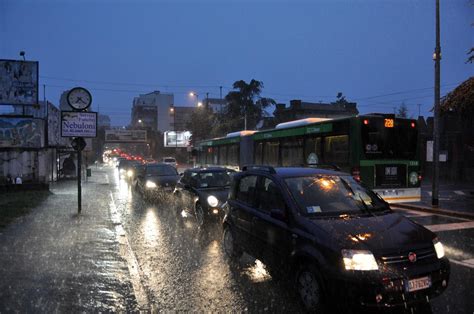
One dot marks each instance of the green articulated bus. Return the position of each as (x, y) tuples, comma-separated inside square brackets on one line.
[(378, 149)]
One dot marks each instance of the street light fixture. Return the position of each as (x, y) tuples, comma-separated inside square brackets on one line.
[(199, 104)]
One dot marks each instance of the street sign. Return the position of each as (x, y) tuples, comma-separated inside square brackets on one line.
[(78, 124)]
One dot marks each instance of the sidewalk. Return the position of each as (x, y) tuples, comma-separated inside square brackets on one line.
[(53, 260), (454, 200)]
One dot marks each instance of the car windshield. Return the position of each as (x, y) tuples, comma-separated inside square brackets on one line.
[(161, 170), (211, 179), (329, 195)]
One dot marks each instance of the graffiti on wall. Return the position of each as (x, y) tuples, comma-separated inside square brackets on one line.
[(21, 132)]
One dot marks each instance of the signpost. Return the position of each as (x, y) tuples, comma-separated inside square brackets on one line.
[(79, 124)]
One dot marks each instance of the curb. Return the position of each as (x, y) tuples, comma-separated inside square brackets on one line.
[(436, 210)]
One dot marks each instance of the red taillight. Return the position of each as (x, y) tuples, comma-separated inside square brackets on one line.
[(420, 177), (366, 121), (356, 174), (413, 124)]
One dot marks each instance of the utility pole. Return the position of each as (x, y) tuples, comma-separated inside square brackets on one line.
[(419, 109), (437, 59)]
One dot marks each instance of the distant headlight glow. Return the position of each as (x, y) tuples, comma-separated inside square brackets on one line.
[(212, 201), (150, 184), (359, 260), (438, 248)]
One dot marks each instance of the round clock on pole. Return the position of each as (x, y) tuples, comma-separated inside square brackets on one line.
[(79, 98)]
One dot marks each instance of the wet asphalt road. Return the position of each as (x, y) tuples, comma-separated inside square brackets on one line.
[(126, 255), (183, 268)]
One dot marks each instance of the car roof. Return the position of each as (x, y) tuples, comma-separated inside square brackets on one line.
[(208, 169), (287, 172), (152, 164)]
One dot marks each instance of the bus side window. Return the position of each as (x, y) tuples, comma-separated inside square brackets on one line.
[(336, 149)]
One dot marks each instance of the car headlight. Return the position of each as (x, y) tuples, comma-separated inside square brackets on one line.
[(212, 201), (150, 184), (122, 170), (438, 248), (129, 173), (359, 260)]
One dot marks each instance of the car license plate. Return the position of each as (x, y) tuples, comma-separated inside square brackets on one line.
[(418, 284)]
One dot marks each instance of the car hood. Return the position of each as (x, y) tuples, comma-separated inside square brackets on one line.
[(220, 193), (380, 234), (163, 180)]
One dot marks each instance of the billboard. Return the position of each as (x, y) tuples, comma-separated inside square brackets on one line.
[(129, 136), (78, 124), (21, 132), (177, 138), (18, 82)]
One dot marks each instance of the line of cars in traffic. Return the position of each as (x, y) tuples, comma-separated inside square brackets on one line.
[(338, 242)]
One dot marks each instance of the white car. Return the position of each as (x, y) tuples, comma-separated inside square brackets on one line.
[(170, 161)]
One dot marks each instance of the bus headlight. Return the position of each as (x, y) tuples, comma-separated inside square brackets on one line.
[(413, 178), (212, 201), (150, 184), (438, 248), (359, 260)]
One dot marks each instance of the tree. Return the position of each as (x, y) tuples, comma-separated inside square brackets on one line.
[(471, 56), (402, 111), (245, 108), (201, 123)]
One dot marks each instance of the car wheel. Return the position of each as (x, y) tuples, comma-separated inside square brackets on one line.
[(199, 213), (309, 288), (231, 249)]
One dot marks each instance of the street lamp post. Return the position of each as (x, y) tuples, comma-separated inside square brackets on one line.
[(173, 112), (437, 59)]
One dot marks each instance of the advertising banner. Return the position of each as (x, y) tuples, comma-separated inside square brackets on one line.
[(128, 136), (177, 139), (18, 82), (21, 132), (78, 124)]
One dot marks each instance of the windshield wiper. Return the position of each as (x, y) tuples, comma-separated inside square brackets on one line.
[(366, 207)]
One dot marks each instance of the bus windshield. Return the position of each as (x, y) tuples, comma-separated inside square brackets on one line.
[(396, 139)]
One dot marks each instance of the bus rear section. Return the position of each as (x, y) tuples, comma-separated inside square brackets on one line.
[(389, 159)]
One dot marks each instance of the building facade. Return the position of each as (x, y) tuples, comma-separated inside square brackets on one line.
[(152, 110), (301, 110)]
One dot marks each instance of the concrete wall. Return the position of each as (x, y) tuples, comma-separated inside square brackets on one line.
[(32, 166)]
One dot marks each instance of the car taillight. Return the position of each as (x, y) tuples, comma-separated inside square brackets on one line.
[(356, 173)]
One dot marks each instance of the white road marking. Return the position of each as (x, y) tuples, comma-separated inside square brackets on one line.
[(127, 253), (414, 213), (451, 226), (467, 263), (459, 193)]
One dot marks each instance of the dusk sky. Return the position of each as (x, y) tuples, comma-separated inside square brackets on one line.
[(308, 50)]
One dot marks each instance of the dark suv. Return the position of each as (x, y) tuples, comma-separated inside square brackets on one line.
[(337, 239)]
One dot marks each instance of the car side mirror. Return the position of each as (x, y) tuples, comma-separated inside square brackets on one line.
[(278, 214)]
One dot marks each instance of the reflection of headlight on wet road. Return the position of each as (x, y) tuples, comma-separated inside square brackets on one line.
[(129, 173), (150, 184), (212, 201)]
